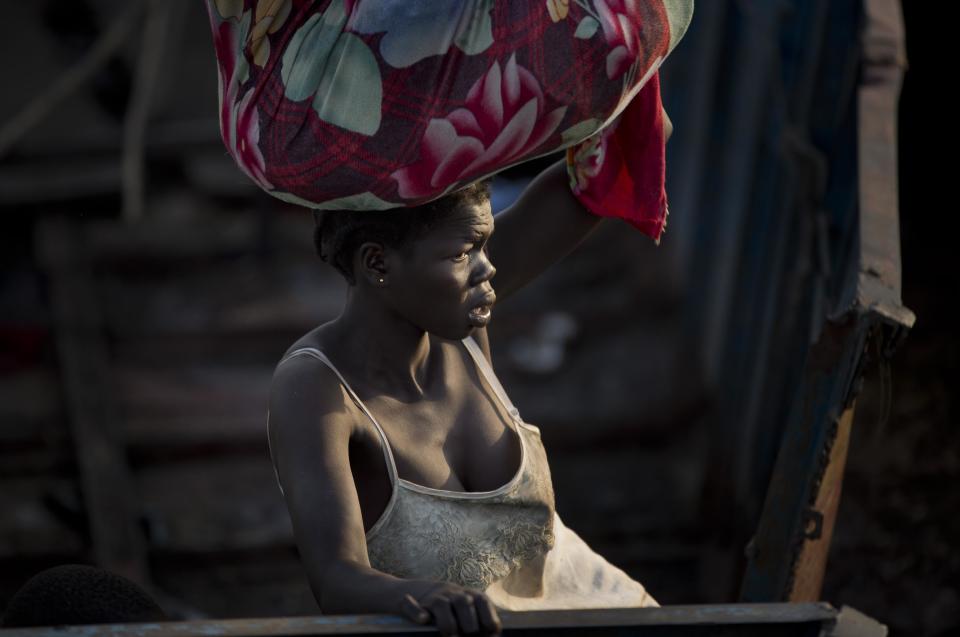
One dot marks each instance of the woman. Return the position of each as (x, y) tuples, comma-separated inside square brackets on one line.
[(396, 448), (413, 484)]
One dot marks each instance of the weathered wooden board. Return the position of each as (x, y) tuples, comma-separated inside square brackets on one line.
[(30, 527), (117, 542), (813, 620), (269, 582), (30, 407), (212, 504), (230, 298), (207, 405)]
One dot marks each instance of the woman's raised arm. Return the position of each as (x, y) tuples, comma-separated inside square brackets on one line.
[(544, 225), (540, 228)]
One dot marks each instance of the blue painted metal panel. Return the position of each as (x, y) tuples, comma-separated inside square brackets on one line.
[(766, 173), (853, 286)]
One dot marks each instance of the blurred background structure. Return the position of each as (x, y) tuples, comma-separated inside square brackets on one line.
[(148, 289)]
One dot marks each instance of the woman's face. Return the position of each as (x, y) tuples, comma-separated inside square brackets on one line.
[(441, 282)]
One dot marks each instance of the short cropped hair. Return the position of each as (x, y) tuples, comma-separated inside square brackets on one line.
[(79, 594), (339, 233)]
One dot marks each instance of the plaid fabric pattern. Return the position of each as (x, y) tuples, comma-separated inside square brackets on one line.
[(376, 104)]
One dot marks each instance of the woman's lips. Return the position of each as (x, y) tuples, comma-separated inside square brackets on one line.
[(480, 315)]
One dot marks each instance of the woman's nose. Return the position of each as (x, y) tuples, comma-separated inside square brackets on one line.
[(484, 270)]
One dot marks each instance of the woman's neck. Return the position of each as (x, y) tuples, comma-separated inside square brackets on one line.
[(386, 352)]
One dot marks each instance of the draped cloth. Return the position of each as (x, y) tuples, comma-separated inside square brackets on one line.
[(379, 104)]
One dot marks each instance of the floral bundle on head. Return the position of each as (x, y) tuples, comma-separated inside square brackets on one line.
[(380, 104)]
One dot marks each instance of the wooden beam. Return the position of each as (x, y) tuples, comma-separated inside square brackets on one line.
[(735, 619), (812, 563), (117, 542)]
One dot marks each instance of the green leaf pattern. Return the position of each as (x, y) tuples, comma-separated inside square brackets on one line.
[(579, 132), (335, 68), (587, 27)]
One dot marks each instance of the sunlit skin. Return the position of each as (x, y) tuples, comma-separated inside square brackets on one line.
[(404, 295), (397, 345)]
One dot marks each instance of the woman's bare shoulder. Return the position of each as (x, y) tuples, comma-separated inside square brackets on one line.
[(312, 421), (306, 391), (314, 339)]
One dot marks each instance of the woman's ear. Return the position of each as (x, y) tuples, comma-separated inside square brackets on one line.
[(372, 263)]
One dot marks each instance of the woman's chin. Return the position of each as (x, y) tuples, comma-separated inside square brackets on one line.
[(469, 330), (454, 334), (468, 326)]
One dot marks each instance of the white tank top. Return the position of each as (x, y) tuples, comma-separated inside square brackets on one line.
[(509, 542)]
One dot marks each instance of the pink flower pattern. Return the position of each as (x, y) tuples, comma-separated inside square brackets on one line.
[(585, 161), (505, 119), (239, 121), (246, 147), (319, 109), (620, 20)]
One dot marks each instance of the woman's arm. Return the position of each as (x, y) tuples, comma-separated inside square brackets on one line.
[(545, 224), (540, 228), (310, 430)]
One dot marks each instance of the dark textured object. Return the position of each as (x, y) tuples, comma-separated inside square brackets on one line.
[(78, 594)]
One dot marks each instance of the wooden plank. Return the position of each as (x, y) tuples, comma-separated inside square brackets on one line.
[(104, 475), (178, 240), (186, 349), (65, 179), (869, 306), (812, 563), (264, 582), (197, 405), (29, 407), (29, 526), (834, 364), (884, 52), (193, 231), (234, 504), (35, 460), (853, 623), (209, 297), (734, 619)]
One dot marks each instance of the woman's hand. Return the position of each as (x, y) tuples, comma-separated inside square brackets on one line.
[(455, 610)]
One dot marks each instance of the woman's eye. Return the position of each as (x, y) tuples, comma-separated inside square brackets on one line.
[(466, 253)]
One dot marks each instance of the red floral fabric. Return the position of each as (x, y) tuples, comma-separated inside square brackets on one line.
[(621, 172), (376, 104)]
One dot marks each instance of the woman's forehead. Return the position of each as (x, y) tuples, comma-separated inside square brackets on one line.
[(466, 220)]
